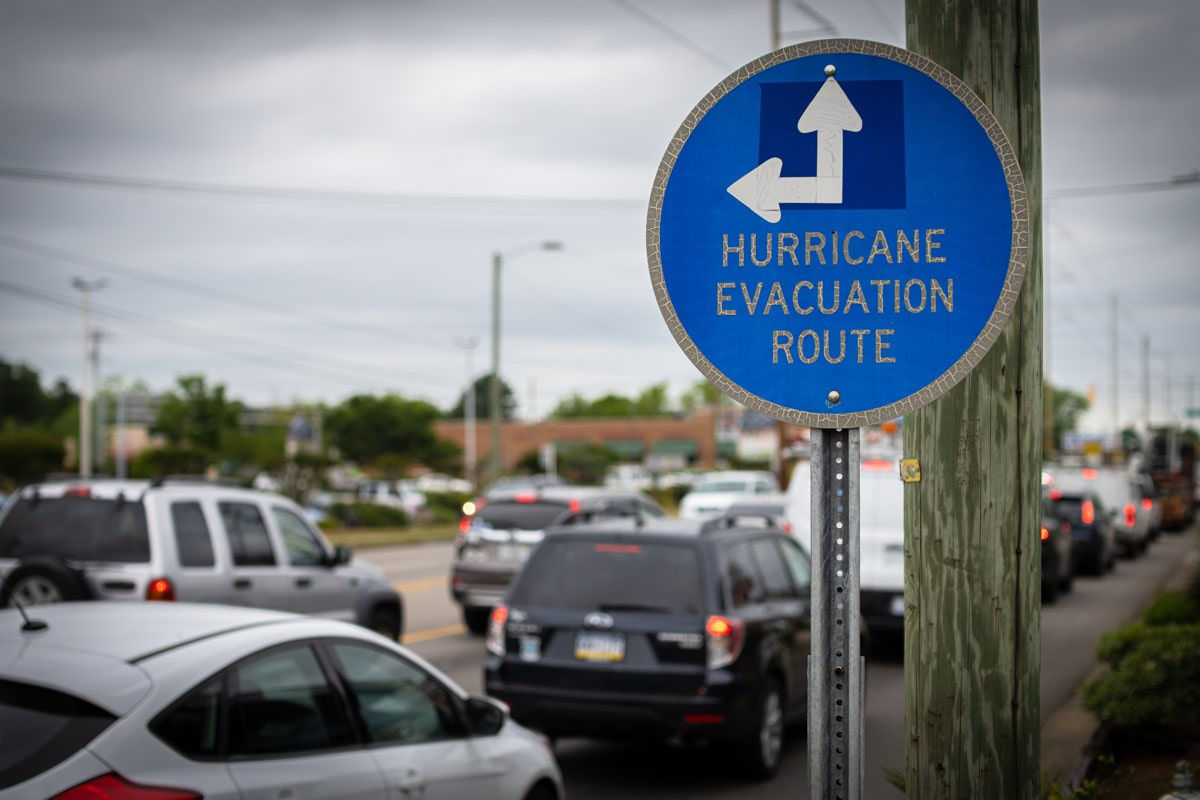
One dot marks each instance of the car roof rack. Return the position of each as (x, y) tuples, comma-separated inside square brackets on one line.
[(727, 521)]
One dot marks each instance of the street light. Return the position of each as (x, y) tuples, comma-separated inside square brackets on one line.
[(498, 258), (85, 390)]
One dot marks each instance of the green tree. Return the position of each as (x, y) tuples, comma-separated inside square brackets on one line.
[(23, 402), (483, 401), (28, 455), (1067, 407), (653, 401), (366, 428), (196, 415), (702, 394)]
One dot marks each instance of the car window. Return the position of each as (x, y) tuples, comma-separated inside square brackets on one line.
[(301, 544), (505, 515), (249, 541), (193, 725), (742, 579), (192, 540), (798, 565), (281, 703), (589, 575), (76, 528), (53, 727), (399, 702), (777, 584)]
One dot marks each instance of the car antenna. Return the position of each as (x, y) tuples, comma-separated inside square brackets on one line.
[(30, 625)]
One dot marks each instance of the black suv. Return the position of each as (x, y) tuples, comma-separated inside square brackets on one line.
[(494, 541), (665, 628)]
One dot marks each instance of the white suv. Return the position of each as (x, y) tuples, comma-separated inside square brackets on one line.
[(182, 540)]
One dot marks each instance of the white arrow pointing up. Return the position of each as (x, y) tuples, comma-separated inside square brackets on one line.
[(762, 189)]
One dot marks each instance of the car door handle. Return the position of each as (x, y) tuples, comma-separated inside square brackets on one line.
[(242, 583), (410, 784), (303, 583)]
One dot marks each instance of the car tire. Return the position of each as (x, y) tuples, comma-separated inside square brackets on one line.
[(43, 581), (1068, 580), (763, 752), (1050, 590), (542, 791), (476, 619), (386, 622)]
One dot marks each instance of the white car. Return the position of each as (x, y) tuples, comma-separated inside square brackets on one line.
[(881, 537), (714, 492), (188, 701)]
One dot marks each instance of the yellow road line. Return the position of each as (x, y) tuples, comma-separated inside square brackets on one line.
[(421, 586), (433, 633)]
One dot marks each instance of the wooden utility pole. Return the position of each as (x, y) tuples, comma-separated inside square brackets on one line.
[(972, 558)]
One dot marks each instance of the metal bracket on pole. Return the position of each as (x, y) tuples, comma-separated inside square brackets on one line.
[(835, 665)]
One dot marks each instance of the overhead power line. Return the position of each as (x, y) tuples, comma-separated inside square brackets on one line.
[(655, 22), (415, 201), (257, 304), (1190, 179), (204, 339)]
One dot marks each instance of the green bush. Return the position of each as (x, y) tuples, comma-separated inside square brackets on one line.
[(368, 515), (166, 461), (446, 507), (29, 455), (1171, 608), (1155, 677)]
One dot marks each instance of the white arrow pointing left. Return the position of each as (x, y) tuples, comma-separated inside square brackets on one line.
[(762, 190)]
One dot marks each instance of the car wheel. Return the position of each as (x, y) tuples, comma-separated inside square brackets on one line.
[(543, 791), (41, 582), (1050, 590), (476, 619), (386, 622), (762, 754), (1068, 579)]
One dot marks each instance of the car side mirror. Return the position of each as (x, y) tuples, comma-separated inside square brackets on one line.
[(485, 715), (341, 555)]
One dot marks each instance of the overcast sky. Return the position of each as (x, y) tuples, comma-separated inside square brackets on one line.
[(406, 117)]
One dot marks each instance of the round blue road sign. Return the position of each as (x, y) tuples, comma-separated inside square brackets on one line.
[(838, 233)]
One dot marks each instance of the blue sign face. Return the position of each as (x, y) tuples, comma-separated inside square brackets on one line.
[(837, 236)]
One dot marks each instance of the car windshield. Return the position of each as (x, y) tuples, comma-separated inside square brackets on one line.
[(590, 575), (506, 515), (77, 528)]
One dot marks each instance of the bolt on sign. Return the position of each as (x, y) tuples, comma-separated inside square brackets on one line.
[(837, 233)]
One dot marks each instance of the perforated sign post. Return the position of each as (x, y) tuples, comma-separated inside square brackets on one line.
[(836, 236)]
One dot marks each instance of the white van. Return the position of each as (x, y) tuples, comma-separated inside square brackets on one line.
[(881, 537)]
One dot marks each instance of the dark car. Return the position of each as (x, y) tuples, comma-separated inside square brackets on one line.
[(1093, 540), (662, 629), (495, 540), (1058, 566)]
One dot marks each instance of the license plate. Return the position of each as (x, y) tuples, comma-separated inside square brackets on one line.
[(512, 552), (530, 648), (600, 647)]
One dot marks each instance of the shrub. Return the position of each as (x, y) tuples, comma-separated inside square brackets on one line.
[(1155, 677), (446, 507), (29, 455), (368, 515)]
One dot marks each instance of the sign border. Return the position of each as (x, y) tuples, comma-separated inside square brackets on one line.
[(1018, 251)]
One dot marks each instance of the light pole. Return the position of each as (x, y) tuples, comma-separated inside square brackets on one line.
[(85, 390), (468, 345), (498, 257)]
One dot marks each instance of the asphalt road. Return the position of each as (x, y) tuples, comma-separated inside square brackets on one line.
[(1070, 629)]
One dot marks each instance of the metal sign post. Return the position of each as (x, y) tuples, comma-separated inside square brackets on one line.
[(835, 665)]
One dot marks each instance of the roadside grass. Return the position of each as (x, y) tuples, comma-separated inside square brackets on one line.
[(362, 538)]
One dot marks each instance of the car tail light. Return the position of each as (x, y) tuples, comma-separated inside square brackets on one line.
[(617, 548), (1147, 504), (526, 498), (495, 632), (574, 506), (703, 719), (113, 787), (464, 525), (1087, 512), (725, 637), (1055, 494), (1089, 474), (77, 491), (160, 589), (1045, 533), (876, 465), (1130, 515)]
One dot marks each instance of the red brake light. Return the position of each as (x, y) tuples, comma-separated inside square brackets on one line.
[(618, 548), (160, 589), (1090, 474), (1147, 504), (1045, 533), (1130, 515), (77, 491), (876, 465), (703, 719), (500, 614), (114, 787), (495, 640), (526, 498), (1055, 494), (725, 636), (1087, 512), (574, 506), (464, 524)]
